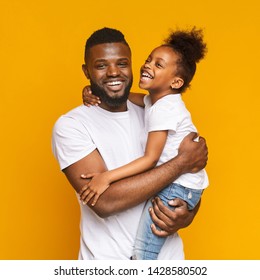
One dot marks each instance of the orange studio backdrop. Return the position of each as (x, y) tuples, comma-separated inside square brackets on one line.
[(42, 46)]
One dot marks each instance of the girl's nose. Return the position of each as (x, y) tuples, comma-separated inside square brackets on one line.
[(147, 65)]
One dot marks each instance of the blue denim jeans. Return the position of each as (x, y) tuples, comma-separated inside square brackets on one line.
[(148, 245)]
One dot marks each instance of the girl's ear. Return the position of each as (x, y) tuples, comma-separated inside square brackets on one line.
[(177, 83), (85, 70)]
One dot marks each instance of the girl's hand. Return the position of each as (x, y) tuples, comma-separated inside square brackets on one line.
[(88, 98), (98, 184)]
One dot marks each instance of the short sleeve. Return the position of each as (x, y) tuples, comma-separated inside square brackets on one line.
[(70, 141), (162, 117)]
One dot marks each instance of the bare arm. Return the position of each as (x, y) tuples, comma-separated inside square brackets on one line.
[(154, 147), (132, 191), (101, 181), (169, 221), (137, 98)]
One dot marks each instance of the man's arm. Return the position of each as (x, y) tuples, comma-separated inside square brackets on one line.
[(170, 221), (132, 191)]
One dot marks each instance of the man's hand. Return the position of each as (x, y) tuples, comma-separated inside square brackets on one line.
[(192, 153), (170, 221)]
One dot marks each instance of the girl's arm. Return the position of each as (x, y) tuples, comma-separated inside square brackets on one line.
[(100, 182), (153, 150), (137, 98)]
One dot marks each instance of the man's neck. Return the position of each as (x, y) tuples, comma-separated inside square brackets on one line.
[(121, 108)]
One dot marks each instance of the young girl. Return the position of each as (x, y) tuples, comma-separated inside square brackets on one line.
[(166, 74)]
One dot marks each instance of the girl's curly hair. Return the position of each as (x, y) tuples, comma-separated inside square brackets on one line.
[(189, 45)]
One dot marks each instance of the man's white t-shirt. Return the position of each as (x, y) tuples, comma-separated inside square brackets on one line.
[(117, 138)]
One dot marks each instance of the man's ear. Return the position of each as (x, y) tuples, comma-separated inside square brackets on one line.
[(85, 70), (177, 83)]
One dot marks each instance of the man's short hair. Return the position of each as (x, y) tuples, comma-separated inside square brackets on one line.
[(105, 35)]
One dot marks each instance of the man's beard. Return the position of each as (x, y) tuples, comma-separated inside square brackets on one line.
[(115, 101)]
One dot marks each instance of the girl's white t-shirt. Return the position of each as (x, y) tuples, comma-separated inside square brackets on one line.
[(170, 113)]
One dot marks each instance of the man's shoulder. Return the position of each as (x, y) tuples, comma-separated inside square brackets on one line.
[(75, 114), (73, 119)]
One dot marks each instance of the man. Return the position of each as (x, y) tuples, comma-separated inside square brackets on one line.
[(94, 139)]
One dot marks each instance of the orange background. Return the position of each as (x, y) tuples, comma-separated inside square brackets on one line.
[(42, 46)]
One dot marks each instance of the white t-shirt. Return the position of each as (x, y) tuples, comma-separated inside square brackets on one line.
[(117, 138), (170, 113)]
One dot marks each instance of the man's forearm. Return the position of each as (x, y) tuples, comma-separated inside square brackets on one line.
[(132, 191)]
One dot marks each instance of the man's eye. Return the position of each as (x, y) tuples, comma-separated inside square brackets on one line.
[(122, 64), (101, 66), (159, 65)]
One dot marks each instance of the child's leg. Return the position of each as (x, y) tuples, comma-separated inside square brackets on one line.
[(145, 248), (148, 245), (191, 196)]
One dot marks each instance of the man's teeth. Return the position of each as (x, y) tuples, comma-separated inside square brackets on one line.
[(114, 83)]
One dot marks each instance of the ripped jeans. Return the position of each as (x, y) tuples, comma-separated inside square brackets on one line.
[(148, 245)]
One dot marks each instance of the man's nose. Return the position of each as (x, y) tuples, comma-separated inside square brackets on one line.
[(113, 70)]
